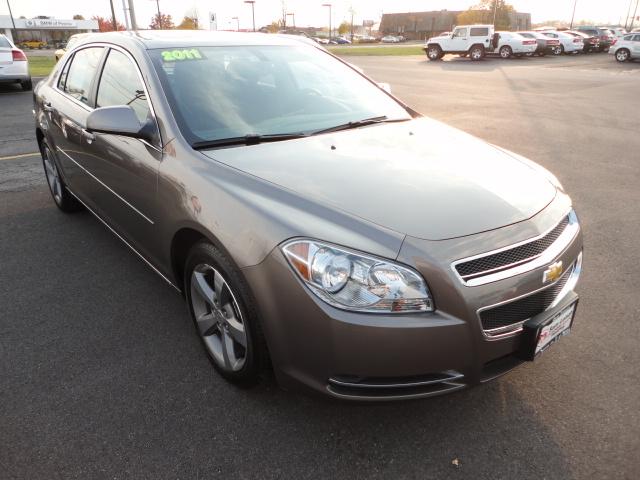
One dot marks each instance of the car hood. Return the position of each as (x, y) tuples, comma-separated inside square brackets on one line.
[(420, 177)]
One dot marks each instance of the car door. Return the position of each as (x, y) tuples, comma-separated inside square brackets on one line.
[(126, 167), (67, 106), (459, 40)]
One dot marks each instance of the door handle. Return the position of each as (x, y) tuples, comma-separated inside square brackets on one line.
[(89, 137), (47, 107)]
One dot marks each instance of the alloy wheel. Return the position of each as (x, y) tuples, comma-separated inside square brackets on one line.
[(476, 54), (622, 55), (53, 177), (218, 318)]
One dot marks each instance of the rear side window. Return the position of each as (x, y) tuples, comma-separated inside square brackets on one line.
[(121, 85), (479, 32), (4, 43), (636, 38), (81, 73)]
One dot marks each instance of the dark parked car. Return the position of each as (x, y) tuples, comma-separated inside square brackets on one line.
[(545, 44), (603, 35), (312, 221), (591, 42)]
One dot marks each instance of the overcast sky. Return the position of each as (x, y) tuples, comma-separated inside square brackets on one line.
[(311, 12)]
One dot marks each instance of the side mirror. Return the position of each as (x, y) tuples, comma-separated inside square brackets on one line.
[(118, 120), (385, 86)]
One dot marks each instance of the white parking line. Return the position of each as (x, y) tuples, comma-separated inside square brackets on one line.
[(22, 155)]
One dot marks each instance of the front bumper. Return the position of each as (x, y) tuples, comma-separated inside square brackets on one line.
[(358, 356)]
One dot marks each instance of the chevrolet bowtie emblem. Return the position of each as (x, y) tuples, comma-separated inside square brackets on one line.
[(552, 273)]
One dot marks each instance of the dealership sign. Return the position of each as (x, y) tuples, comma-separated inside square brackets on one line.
[(49, 23)]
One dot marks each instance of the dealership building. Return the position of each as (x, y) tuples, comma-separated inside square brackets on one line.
[(48, 30)]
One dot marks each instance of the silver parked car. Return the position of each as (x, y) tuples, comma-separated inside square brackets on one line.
[(14, 65), (312, 221)]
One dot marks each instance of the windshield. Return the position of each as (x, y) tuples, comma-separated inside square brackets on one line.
[(234, 91)]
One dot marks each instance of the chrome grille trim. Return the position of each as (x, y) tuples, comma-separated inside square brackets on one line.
[(508, 330), (524, 265)]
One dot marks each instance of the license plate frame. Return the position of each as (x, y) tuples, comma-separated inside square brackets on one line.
[(539, 333)]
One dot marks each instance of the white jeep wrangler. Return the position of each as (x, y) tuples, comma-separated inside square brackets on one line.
[(472, 40)]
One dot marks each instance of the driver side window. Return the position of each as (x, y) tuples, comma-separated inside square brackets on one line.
[(459, 32)]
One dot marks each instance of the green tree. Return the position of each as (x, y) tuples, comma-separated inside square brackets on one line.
[(344, 28), (483, 13)]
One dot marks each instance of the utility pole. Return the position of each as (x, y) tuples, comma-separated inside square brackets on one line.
[(113, 17), (253, 13), (633, 17), (12, 21), (132, 14), (328, 5), (159, 14), (575, 2), (126, 16), (626, 19), (495, 12)]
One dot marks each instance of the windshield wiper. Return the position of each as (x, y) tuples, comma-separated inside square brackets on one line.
[(249, 139), (360, 123)]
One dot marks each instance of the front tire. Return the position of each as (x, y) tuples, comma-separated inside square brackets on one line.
[(225, 316), (622, 55), (434, 52), (505, 51), (476, 53), (61, 196)]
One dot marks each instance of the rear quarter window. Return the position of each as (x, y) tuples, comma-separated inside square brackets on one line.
[(479, 32), (4, 43)]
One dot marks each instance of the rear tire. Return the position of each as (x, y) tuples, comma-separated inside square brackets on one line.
[(225, 316), (622, 55), (434, 52), (505, 51)]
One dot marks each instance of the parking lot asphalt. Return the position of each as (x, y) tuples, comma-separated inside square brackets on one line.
[(102, 376)]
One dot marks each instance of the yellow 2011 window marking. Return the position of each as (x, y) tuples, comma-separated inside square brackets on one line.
[(183, 54)]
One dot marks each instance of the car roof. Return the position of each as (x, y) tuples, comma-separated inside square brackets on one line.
[(152, 39)]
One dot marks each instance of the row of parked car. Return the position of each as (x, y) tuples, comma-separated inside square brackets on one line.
[(478, 41)]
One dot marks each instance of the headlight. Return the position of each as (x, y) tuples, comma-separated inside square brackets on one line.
[(352, 281)]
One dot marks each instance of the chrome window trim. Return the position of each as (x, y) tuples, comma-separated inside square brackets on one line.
[(525, 265), (140, 77), (106, 186), (124, 241), (514, 328)]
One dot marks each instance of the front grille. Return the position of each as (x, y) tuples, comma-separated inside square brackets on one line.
[(512, 256), (524, 308)]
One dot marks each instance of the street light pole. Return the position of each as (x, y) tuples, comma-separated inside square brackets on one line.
[(253, 13), (294, 19), (328, 5), (237, 23), (126, 17), (575, 2)]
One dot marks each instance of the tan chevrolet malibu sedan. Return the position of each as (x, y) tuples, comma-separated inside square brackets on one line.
[(314, 223)]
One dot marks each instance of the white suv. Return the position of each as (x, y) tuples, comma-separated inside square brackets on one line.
[(626, 48), (472, 40), (476, 41)]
